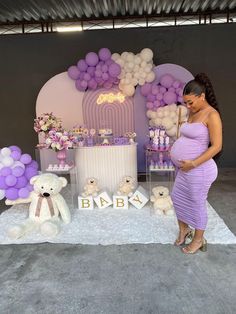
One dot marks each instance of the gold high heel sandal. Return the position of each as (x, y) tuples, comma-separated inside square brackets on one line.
[(202, 248), (188, 237)]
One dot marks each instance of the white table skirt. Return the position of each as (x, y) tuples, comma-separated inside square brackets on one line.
[(108, 164)]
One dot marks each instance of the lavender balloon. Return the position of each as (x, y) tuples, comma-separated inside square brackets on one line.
[(73, 72)]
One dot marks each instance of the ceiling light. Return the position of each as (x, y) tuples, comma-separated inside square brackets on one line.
[(69, 29)]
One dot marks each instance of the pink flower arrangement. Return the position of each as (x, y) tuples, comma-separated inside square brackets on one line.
[(47, 122), (59, 140)]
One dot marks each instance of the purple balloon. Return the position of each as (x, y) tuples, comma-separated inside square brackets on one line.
[(73, 72), (151, 97), (15, 148), (10, 180), (92, 84), (159, 96), (33, 164), (30, 172), (91, 71), (155, 89), (79, 86), (23, 193), (82, 65), (104, 54), (5, 171), (18, 171), (176, 84), (107, 84), (146, 89), (105, 76), (3, 185), (25, 159), (11, 194), (170, 98), (21, 182), (87, 77), (167, 80), (98, 73), (171, 89), (104, 68), (16, 155), (162, 90), (109, 62), (157, 103), (149, 105), (114, 69), (91, 59)]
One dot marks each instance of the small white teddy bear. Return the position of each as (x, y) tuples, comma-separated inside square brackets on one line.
[(46, 207), (162, 202), (91, 187), (126, 186)]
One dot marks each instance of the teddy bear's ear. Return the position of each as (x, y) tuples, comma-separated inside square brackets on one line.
[(63, 181), (34, 179)]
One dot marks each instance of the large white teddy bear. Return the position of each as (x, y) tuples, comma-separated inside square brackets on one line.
[(46, 208), (126, 186), (162, 202)]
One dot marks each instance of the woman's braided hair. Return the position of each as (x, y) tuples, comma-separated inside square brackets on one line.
[(202, 84)]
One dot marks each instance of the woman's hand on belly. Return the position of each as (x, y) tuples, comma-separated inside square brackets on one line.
[(186, 165)]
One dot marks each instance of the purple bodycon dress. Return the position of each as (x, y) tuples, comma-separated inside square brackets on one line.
[(191, 187)]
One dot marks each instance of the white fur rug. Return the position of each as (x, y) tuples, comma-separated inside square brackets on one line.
[(110, 226)]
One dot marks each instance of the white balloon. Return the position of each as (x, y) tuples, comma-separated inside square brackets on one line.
[(146, 54), (130, 57), (167, 123), (2, 194), (115, 56), (172, 132), (151, 114), (137, 60), (8, 161), (157, 122), (131, 65), (18, 164), (150, 77), (121, 62), (160, 114), (151, 123), (5, 151), (141, 81), (124, 55), (128, 90), (143, 64)]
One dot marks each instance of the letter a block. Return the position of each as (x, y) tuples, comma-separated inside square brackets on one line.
[(139, 198), (120, 202), (103, 200), (85, 202)]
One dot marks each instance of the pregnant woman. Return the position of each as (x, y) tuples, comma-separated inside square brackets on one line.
[(200, 140)]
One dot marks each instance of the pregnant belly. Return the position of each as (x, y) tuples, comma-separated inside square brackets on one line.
[(184, 149)]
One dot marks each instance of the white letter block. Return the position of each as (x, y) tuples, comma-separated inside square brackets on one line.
[(85, 202), (139, 198), (103, 200), (120, 202)]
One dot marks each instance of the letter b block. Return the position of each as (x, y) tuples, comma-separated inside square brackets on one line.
[(85, 202), (120, 202), (139, 198)]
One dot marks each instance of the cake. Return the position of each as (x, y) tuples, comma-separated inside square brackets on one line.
[(105, 132)]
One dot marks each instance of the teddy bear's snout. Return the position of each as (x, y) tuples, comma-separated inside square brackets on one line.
[(46, 194)]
